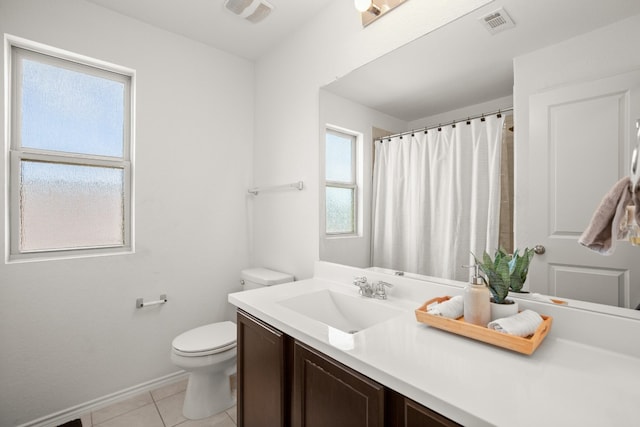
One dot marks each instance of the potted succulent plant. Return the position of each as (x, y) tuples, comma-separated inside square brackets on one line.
[(505, 272)]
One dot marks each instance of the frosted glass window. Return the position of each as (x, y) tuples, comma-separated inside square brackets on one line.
[(71, 111), (69, 206), (340, 210), (70, 154), (339, 157)]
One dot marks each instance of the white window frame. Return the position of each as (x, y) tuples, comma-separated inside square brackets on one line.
[(353, 184), (16, 48)]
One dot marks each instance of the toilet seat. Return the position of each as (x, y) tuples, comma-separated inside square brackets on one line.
[(206, 340)]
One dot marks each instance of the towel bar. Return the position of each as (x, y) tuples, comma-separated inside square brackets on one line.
[(299, 185), (140, 303)]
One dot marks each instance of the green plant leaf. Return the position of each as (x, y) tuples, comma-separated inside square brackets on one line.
[(486, 260), (505, 271)]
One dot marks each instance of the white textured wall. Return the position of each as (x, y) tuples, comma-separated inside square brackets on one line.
[(69, 331), (286, 235)]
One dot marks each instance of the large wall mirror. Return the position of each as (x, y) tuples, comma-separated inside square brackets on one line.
[(569, 95)]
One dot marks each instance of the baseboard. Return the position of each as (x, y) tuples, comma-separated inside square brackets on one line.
[(65, 415)]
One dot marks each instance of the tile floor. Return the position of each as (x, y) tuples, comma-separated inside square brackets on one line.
[(158, 408)]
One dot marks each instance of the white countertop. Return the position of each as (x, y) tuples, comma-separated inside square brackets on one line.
[(564, 383)]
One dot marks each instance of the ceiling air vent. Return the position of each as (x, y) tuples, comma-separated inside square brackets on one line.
[(497, 21), (252, 10)]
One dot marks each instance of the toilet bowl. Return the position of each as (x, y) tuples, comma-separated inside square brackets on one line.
[(208, 353)]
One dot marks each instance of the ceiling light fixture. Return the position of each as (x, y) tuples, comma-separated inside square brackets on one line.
[(367, 6), (370, 10)]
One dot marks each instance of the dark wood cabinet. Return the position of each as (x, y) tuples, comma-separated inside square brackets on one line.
[(404, 412), (262, 381), (285, 383), (326, 393)]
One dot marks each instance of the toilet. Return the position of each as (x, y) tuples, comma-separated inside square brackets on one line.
[(208, 353)]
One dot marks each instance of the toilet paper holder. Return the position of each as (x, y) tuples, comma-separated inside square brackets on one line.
[(140, 301)]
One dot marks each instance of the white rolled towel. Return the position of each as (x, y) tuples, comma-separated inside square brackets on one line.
[(522, 324), (452, 308)]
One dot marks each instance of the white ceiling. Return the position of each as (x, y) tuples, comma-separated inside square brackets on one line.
[(208, 21)]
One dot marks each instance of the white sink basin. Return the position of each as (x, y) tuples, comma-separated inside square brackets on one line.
[(347, 313)]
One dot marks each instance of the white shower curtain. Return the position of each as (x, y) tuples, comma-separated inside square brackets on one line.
[(436, 198)]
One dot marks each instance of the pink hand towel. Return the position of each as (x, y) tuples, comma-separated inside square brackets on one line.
[(604, 228)]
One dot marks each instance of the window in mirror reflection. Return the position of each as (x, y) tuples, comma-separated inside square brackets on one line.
[(341, 186)]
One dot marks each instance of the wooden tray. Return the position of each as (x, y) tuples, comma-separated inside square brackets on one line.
[(459, 326)]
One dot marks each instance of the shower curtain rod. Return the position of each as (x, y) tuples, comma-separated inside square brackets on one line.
[(453, 123)]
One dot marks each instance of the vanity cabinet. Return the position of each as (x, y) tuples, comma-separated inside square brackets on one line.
[(285, 383), (326, 393), (262, 381), (404, 412)]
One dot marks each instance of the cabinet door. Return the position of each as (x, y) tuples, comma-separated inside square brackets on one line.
[(417, 415), (261, 374), (326, 393), (404, 412)]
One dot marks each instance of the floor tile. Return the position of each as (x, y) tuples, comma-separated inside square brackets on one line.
[(86, 420), (169, 390), (104, 414), (233, 413), (219, 420), (141, 411), (170, 409), (146, 416)]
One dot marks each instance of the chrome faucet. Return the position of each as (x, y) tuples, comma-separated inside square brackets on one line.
[(366, 290), (376, 290), (379, 291)]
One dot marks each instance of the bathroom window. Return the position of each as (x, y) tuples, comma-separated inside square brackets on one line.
[(70, 154), (341, 191)]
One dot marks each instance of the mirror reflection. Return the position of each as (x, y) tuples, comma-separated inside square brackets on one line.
[(424, 202), (443, 183)]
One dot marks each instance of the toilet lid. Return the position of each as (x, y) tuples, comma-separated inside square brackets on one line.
[(207, 339)]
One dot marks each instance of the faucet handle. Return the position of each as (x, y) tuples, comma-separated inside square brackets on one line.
[(380, 292), (366, 289), (359, 280)]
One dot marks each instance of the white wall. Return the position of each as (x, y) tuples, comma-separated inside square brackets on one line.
[(286, 143), (604, 52), (346, 114), (69, 330)]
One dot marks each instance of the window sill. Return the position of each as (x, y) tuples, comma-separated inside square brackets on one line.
[(341, 236), (66, 255)]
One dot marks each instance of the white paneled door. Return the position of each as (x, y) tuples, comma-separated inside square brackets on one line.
[(581, 139)]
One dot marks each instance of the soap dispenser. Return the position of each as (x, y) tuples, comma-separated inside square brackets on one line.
[(477, 309)]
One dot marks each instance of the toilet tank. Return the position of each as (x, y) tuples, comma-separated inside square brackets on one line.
[(254, 278)]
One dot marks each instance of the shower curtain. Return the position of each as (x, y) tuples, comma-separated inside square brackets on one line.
[(436, 198)]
